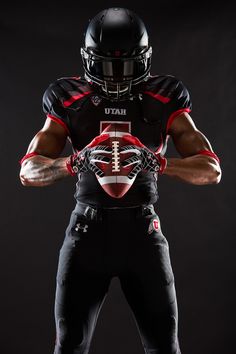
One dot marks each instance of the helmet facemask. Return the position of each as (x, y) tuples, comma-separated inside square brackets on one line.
[(116, 74)]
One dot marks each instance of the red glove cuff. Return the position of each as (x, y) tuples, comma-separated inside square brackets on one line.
[(73, 170), (163, 163)]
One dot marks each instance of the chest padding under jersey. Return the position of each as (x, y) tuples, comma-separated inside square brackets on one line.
[(84, 113)]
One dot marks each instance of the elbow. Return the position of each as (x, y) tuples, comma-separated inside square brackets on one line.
[(217, 178), (24, 180), (216, 175), (210, 176)]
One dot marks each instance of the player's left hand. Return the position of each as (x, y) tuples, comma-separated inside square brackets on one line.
[(143, 158)]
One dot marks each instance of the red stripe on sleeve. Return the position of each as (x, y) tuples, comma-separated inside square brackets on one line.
[(72, 99), (158, 97), (174, 115), (209, 153), (59, 121), (27, 156)]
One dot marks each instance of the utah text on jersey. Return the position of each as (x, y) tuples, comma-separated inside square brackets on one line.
[(118, 111)]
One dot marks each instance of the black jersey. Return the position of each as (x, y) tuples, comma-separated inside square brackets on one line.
[(83, 111)]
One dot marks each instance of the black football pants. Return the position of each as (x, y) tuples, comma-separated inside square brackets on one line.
[(104, 243)]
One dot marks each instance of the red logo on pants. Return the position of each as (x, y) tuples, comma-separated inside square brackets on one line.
[(153, 226)]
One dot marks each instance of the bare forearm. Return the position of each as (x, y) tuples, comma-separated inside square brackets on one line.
[(41, 171), (196, 169)]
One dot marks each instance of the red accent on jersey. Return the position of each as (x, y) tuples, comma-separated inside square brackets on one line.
[(27, 156), (59, 121), (209, 153), (174, 115), (105, 123), (157, 96), (76, 77), (72, 99)]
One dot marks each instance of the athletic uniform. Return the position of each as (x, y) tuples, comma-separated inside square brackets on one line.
[(122, 237)]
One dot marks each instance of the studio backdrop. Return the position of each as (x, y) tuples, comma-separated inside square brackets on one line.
[(40, 42)]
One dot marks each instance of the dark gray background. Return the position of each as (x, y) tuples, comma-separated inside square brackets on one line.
[(194, 41)]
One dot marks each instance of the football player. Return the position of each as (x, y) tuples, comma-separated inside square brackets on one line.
[(108, 236)]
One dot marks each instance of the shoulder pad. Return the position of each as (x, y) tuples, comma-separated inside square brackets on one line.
[(65, 91), (72, 89), (162, 87)]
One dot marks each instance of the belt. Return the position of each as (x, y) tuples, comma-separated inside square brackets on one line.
[(97, 213)]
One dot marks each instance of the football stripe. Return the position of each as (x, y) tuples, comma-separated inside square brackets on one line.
[(115, 179)]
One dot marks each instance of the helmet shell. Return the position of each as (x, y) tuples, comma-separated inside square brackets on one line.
[(116, 53), (116, 30)]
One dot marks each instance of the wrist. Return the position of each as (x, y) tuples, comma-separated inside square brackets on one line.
[(71, 166), (162, 163)]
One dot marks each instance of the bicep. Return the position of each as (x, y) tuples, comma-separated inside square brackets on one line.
[(188, 140), (49, 141)]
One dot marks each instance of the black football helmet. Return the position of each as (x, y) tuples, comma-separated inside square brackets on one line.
[(116, 54)]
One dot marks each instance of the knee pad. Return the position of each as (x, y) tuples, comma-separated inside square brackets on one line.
[(62, 332), (70, 339)]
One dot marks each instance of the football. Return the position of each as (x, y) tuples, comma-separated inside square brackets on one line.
[(115, 181)]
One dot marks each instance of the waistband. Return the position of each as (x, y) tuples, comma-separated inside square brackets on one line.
[(97, 213)]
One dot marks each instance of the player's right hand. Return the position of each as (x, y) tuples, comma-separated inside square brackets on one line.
[(86, 159)]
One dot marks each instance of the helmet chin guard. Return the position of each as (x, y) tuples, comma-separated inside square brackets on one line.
[(116, 54)]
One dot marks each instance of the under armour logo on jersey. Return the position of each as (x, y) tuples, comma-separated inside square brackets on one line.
[(82, 227), (96, 100), (117, 111), (140, 96)]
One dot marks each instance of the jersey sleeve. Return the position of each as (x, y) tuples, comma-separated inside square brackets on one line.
[(180, 102), (53, 107)]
